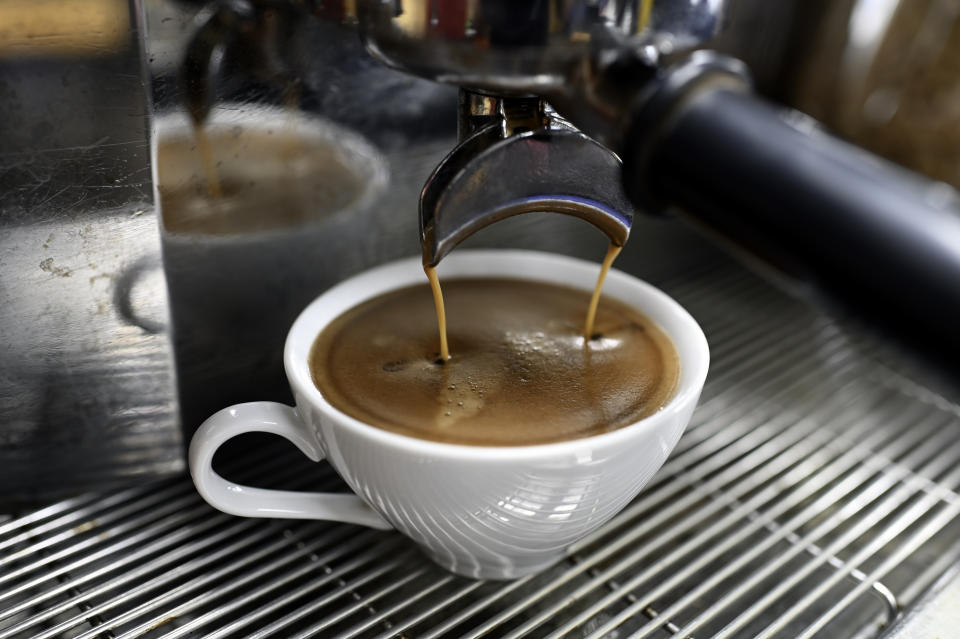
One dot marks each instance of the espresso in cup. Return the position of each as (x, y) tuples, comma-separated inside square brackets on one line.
[(486, 511), (520, 372)]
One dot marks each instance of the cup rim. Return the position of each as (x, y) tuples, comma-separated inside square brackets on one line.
[(403, 272)]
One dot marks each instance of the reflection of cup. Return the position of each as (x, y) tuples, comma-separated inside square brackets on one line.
[(296, 189), (489, 512)]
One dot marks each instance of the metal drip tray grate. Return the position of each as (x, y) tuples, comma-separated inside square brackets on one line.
[(814, 494)]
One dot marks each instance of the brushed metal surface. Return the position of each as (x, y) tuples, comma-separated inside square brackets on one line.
[(85, 367), (86, 383)]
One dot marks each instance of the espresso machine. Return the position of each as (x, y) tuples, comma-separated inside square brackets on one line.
[(815, 492), (536, 79)]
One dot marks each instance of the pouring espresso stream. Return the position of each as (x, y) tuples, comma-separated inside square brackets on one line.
[(208, 162), (542, 365), (521, 372), (431, 271)]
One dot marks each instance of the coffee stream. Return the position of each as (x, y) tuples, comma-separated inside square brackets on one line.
[(431, 272), (612, 252), (520, 372), (208, 162)]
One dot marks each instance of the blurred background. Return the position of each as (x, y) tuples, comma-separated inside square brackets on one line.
[(128, 314)]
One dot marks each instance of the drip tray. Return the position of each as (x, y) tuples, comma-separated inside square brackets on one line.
[(813, 495)]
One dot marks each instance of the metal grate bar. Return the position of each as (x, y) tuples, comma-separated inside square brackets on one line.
[(797, 471), (327, 622), (174, 570), (234, 603), (386, 614), (52, 611), (146, 503), (875, 490), (504, 591), (889, 598), (173, 539), (399, 626), (79, 516), (859, 480), (893, 501), (132, 539), (193, 585), (158, 582), (69, 509), (317, 604), (928, 531), (65, 513), (147, 523)]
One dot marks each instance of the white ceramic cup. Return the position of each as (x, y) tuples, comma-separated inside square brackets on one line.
[(483, 511)]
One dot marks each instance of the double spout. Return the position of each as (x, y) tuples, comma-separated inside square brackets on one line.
[(516, 155)]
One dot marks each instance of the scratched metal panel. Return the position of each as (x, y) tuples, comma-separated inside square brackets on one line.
[(85, 372), (86, 385)]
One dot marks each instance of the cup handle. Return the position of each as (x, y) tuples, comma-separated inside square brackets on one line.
[(246, 501)]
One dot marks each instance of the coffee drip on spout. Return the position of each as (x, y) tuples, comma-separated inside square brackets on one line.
[(239, 41)]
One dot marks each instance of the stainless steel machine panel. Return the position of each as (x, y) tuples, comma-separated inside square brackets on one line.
[(87, 393)]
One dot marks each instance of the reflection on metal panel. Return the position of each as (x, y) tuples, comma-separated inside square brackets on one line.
[(86, 373), (71, 28)]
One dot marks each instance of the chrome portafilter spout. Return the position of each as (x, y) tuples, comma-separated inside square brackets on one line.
[(515, 155)]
